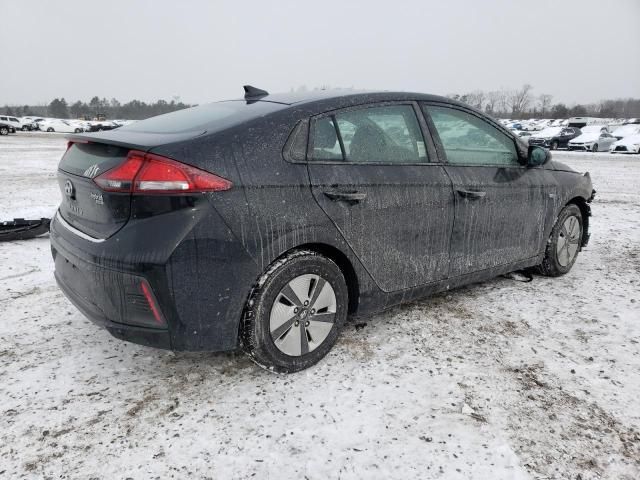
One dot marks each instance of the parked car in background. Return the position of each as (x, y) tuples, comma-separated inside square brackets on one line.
[(424, 194), (39, 121), (592, 141), (100, 126), (61, 126), (13, 121), (524, 134), (554, 137), (28, 124), (626, 130), (594, 129), (6, 128), (630, 144)]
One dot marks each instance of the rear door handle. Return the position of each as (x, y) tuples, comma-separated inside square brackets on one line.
[(353, 197), (471, 194)]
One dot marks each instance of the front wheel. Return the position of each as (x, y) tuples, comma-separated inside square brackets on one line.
[(594, 148), (295, 312), (50, 130), (554, 145), (4, 131), (564, 243)]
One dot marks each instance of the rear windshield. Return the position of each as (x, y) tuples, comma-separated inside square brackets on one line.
[(91, 159), (209, 117)]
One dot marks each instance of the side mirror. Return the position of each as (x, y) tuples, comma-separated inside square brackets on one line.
[(537, 156)]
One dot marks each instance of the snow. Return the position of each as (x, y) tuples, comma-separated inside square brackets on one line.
[(499, 380), (587, 137), (548, 132)]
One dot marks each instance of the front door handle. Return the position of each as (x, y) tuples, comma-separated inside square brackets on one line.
[(353, 197), (471, 194)]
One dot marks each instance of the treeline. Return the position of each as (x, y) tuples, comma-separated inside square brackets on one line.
[(110, 109), (523, 103), (512, 103)]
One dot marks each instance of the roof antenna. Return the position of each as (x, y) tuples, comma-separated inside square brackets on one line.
[(253, 93)]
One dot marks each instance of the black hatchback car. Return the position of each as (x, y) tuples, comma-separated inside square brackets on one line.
[(264, 222), (554, 137)]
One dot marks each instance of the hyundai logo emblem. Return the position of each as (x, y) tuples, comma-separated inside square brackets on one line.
[(68, 188)]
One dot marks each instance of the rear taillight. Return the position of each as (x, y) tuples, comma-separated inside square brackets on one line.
[(149, 173)]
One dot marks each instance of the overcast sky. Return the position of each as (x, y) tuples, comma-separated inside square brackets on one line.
[(576, 50)]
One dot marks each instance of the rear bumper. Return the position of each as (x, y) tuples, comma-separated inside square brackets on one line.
[(196, 272), (150, 337)]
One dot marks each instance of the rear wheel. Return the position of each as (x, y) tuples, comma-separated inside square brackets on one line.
[(25, 128), (4, 131), (77, 130), (50, 130), (564, 243), (294, 314), (554, 145)]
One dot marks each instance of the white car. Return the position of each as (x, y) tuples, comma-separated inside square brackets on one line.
[(592, 141), (595, 129), (13, 121), (630, 144), (62, 126), (625, 131)]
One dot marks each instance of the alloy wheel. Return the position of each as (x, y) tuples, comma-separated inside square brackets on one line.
[(568, 241), (302, 315)]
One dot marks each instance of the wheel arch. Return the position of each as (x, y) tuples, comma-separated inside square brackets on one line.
[(585, 210)]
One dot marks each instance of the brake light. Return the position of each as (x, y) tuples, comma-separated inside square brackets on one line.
[(149, 173), (121, 178)]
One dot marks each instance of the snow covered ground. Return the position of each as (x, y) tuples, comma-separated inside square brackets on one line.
[(500, 380)]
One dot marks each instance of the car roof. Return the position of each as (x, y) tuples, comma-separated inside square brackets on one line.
[(296, 98)]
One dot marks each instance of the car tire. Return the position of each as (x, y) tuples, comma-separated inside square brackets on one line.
[(24, 128), (276, 329), (4, 131), (594, 148), (554, 145), (50, 130), (77, 130), (564, 243)]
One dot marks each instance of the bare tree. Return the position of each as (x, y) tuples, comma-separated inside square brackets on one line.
[(520, 99), (545, 102), (503, 100), (492, 104), (476, 99)]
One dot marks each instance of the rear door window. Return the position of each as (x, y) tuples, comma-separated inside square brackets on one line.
[(470, 140), (326, 145), (384, 134)]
